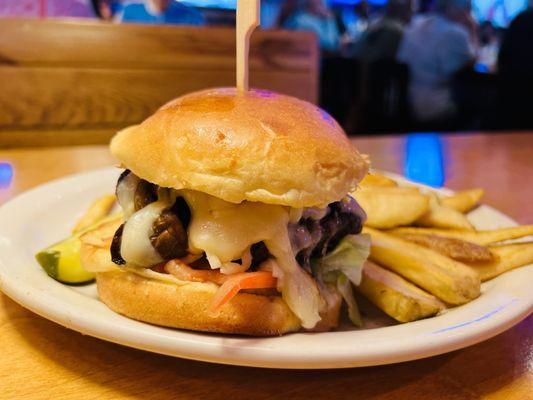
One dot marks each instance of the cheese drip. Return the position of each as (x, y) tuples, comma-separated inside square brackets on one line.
[(136, 247), (226, 230), (126, 194)]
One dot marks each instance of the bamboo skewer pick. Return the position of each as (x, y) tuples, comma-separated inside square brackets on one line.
[(247, 20)]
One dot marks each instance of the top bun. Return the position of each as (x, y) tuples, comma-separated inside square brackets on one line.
[(257, 146)]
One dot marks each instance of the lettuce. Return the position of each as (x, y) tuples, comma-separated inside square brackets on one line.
[(343, 266), (344, 287), (348, 257)]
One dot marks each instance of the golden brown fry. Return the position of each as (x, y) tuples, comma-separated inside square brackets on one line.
[(388, 207), (464, 200), (98, 210), (457, 249), (390, 190), (375, 179), (449, 280), (397, 297), (395, 190), (482, 238), (440, 216), (510, 256)]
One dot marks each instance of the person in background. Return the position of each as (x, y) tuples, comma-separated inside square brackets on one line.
[(383, 37), (287, 10), (353, 23), (105, 9), (435, 48), (362, 14), (489, 46), (315, 16), (515, 68), (160, 12)]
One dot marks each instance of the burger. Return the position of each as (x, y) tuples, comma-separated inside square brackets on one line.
[(236, 217)]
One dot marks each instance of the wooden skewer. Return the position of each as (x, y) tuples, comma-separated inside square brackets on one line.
[(247, 20)]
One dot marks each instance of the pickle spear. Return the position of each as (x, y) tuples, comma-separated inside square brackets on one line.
[(61, 261)]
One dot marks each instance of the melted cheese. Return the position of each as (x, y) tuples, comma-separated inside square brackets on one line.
[(298, 289), (126, 194), (136, 247), (224, 231)]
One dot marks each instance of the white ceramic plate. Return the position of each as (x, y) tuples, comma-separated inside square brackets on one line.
[(46, 214)]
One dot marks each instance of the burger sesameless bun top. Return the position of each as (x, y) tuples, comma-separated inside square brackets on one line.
[(258, 146)]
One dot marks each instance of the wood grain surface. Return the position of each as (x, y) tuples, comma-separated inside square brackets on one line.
[(41, 360), (59, 75)]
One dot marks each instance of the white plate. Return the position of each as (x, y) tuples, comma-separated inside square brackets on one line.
[(45, 215)]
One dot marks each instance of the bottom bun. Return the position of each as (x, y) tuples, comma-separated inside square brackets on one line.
[(186, 306)]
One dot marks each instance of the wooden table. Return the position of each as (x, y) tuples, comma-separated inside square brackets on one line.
[(40, 359)]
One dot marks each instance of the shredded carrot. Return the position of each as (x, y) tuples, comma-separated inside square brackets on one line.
[(237, 282), (230, 284)]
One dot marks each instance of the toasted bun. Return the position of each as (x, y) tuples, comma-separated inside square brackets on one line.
[(179, 306), (185, 306), (257, 146)]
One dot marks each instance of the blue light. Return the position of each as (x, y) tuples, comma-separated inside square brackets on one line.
[(354, 2), (479, 319), (227, 4), (481, 68), (6, 174), (345, 2), (326, 117), (424, 161)]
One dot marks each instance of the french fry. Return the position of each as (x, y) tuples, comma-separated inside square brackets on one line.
[(397, 297), (98, 210), (375, 179), (482, 238), (449, 280), (395, 190), (391, 207), (510, 256), (440, 216), (464, 200), (457, 249)]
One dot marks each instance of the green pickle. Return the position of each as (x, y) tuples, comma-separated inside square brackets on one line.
[(61, 261)]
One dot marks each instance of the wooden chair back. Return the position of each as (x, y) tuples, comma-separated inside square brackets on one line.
[(78, 82)]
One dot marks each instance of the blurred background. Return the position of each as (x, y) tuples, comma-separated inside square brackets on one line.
[(377, 66)]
